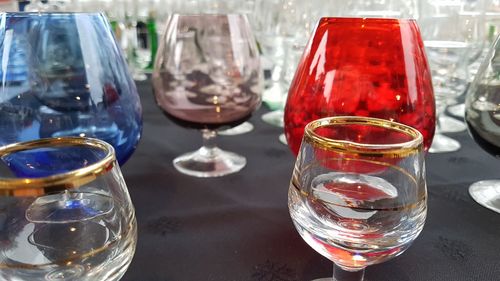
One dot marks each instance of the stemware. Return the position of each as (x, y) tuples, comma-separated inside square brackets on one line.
[(482, 107), (358, 194), (453, 38), (63, 74), (207, 76), (362, 67), (66, 212), (284, 27), (380, 9)]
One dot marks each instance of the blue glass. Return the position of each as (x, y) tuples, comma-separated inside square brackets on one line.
[(43, 162), (63, 74)]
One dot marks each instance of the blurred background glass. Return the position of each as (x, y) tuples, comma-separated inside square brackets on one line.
[(483, 120)]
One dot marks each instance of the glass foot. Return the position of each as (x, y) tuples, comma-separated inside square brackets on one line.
[(139, 76), (487, 194), (451, 125), (282, 139), (442, 143), (274, 118), (209, 162), (457, 110), (340, 274), (243, 128), (68, 207)]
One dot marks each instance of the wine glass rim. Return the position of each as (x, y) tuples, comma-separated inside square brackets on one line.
[(412, 146), (387, 20), (66, 180)]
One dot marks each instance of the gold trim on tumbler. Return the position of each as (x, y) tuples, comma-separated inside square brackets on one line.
[(61, 181), (401, 149)]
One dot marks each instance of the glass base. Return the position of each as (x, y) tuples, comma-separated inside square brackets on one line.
[(451, 125), (487, 194), (457, 110), (340, 274), (442, 144), (209, 162), (282, 139), (243, 128), (274, 118)]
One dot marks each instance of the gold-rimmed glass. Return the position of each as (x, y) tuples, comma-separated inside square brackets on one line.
[(65, 212), (358, 193)]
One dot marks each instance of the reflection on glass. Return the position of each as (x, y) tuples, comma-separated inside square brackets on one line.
[(482, 115), (357, 194), (66, 213), (207, 76), (362, 67), (66, 76)]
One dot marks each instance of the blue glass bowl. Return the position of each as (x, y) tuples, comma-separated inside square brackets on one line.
[(63, 74)]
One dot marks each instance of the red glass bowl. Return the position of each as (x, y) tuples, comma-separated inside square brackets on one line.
[(362, 67)]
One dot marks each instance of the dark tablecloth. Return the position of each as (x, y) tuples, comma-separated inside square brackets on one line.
[(238, 227)]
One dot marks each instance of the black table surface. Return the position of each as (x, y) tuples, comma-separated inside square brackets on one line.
[(238, 228)]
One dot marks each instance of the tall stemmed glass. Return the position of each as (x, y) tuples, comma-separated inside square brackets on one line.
[(66, 212), (358, 194), (482, 115), (362, 67), (207, 76)]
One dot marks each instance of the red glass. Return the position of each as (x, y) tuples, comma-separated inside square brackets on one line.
[(362, 67)]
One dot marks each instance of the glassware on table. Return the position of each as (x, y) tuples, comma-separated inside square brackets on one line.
[(482, 115), (379, 9), (453, 37), (283, 28), (362, 67), (64, 75), (207, 76), (66, 212), (358, 194)]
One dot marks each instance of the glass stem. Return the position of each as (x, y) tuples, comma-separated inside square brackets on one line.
[(209, 147), (440, 108), (340, 274)]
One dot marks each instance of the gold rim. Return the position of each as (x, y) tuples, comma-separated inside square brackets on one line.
[(395, 149), (62, 181)]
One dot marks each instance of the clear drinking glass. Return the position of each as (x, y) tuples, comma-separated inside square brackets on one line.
[(453, 36), (207, 76), (482, 115), (358, 194), (65, 212), (379, 8)]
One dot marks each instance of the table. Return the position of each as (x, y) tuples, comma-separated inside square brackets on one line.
[(237, 228)]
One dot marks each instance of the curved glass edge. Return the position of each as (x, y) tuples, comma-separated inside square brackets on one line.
[(65, 180), (400, 149)]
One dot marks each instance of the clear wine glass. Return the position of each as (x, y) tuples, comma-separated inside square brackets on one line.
[(66, 212), (358, 194), (482, 115), (452, 36), (218, 71), (380, 9)]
